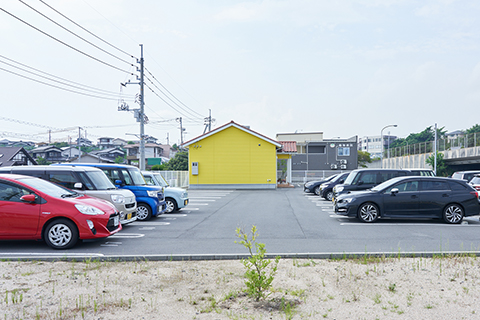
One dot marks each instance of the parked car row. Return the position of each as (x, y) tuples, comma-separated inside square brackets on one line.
[(61, 204), (370, 194)]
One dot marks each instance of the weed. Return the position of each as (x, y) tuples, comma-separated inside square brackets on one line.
[(377, 298), (392, 287), (258, 276)]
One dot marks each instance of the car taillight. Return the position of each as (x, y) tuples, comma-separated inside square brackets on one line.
[(475, 193)]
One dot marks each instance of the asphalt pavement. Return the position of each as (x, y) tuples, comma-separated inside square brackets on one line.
[(290, 222)]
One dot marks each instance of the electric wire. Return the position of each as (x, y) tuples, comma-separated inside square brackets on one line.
[(58, 87), (91, 33), (65, 44), (73, 33), (172, 94), (96, 91)]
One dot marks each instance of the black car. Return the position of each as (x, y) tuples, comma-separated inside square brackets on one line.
[(314, 186), (363, 179), (326, 189), (412, 197)]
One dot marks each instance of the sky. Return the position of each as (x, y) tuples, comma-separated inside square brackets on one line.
[(345, 68)]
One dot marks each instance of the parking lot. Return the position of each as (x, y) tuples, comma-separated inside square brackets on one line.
[(289, 222)]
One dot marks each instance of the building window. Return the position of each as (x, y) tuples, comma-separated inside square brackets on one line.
[(316, 149), (343, 151)]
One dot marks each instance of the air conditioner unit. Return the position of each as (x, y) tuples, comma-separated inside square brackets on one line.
[(333, 167), (343, 161), (343, 166)]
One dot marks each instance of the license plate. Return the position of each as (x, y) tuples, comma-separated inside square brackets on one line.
[(116, 221)]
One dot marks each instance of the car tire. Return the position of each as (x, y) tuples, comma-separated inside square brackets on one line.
[(329, 195), (61, 234), (368, 212), (144, 212), (171, 205), (316, 190), (453, 213)]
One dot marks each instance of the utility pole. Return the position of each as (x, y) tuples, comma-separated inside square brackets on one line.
[(208, 121), (142, 115), (139, 114), (181, 130), (168, 141)]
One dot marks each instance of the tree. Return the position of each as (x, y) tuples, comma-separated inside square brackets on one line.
[(158, 167), (43, 162), (473, 129), (426, 135), (119, 159), (179, 162), (442, 168), (363, 158)]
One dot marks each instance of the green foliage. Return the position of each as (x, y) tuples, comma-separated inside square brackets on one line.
[(158, 167), (179, 162), (282, 164), (258, 275), (130, 142), (60, 144), (442, 168), (426, 135), (43, 162), (119, 159), (473, 129), (363, 158)]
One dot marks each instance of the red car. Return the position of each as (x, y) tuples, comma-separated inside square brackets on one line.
[(35, 209)]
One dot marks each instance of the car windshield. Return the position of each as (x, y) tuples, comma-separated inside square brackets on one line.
[(100, 180), (49, 188), (338, 177), (137, 177), (475, 180), (350, 177), (385, 184), (161, 180)]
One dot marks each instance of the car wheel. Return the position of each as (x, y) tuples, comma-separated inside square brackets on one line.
[(171, 205), (143, 212), (61, 234), (368, 212), (329, 195), (453, 213), (317, 190)]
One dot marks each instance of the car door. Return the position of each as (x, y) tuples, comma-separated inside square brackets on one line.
[(433, 196), (17, 218), (403, 200)]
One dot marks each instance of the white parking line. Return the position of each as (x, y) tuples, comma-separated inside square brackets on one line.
[(147, 228), (148, 223), (201, 204), (195, 200), (110, 244), (127, 235)]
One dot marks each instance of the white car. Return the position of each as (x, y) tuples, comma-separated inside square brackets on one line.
[(175, 198)]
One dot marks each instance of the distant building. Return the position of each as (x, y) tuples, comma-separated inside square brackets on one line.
[(373, 144), (49, 153), (15, 156)]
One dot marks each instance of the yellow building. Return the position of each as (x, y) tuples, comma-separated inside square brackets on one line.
[(232, 156)]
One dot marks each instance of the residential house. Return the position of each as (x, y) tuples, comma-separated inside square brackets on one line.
[(91, 158), (232, 156), (15, 156), (71, 152), (110, 153), (49, 153), (152, 150)]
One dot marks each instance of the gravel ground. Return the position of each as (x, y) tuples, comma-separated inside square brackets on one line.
[(373, 288)]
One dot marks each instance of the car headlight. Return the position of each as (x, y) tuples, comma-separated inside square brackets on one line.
[(117, 198), (92, 211), (338, 189), (185, 194), (153, 194), (347, 200), (323, 186)]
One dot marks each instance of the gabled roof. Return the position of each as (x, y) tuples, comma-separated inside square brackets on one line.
[(8, 153), (228, 125)]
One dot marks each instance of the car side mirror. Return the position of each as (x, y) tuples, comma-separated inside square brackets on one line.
[(394, 191), (118, 183), (78, 185), (28, 198), (341, 181), (360, 183)]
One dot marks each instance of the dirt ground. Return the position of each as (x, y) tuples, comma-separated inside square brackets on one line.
[(365, 288)]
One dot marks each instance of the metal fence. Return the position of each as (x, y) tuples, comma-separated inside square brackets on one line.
[(466, 141), (302, 176), (175, 178)]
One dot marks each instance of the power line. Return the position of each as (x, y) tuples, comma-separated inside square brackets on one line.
[(78, 86), (175, 103), (172, 94), (58, 87), (73, 33), (65, 44), (106, 42)]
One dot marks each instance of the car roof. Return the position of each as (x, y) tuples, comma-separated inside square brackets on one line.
[(14, 176), (105, 165), (57, 168)]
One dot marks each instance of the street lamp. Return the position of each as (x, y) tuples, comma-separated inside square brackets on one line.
[(381, 141)]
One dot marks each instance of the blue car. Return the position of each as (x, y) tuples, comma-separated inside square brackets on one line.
[(150, 199)]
